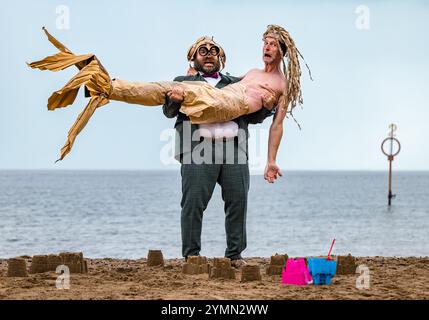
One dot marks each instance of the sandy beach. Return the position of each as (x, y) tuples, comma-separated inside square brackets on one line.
[(390, 278)]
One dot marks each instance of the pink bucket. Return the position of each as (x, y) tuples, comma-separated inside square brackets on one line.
[(296, 273)]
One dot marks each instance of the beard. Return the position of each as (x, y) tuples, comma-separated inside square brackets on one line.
[(205, 69)]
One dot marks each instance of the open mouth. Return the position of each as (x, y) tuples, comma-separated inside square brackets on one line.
[(267, 55)]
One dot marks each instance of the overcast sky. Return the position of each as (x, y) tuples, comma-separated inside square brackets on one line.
[(367, 74)]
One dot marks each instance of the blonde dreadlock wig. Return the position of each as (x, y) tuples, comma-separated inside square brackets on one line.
[(292, 72), (202, 41)]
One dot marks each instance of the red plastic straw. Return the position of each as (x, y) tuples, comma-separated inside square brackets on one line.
[(330, 249)]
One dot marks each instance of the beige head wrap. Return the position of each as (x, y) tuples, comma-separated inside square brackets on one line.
[(292, 72), (206, 40)]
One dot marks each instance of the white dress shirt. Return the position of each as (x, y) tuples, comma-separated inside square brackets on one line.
[(218, 130)]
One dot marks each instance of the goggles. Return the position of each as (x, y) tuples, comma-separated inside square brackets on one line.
[(204, 51)]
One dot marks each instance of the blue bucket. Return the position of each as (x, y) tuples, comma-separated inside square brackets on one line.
[(322, 270)]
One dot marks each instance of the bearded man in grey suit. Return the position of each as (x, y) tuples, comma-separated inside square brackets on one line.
[(211, 143)]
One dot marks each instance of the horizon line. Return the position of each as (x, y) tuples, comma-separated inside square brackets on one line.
[(178, 168)]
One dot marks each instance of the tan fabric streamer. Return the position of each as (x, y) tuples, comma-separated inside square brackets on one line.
[(91, 74)]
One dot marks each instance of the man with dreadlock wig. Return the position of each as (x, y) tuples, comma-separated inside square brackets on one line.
[(202, 103)]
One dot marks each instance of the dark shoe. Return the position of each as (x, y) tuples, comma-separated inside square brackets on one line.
[(186, 258), (238, 263)]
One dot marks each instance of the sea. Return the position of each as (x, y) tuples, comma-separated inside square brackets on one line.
[(123, 214)]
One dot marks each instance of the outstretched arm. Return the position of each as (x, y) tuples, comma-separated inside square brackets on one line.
[(272, 171)]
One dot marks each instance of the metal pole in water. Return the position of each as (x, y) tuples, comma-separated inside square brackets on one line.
[(390, 157), (389, 196)]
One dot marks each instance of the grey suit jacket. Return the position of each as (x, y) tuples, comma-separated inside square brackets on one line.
[(171, 110)]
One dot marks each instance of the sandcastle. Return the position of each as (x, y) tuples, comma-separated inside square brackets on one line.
[(17, 267), (53, 261), (155, 258), (196, 265), (73, 260), (222, 269), (250, 273), (39, 264), (346, 265), (277, 263)]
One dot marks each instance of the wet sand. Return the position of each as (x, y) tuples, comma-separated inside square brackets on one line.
[(390, 278)]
